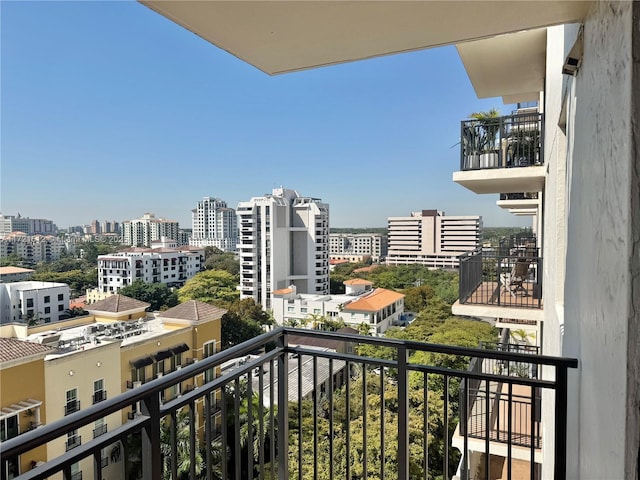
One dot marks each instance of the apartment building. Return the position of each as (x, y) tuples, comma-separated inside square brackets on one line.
[(431, 238), (378, 308), (29, 226), (118, 347), (45, 302), (32, 248), (362, 245), (171, 266), (15, 274), (284, 240), (214, 225), (142, 231)]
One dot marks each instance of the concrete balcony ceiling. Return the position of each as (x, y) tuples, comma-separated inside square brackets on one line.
[(502, 180), (285, 36)]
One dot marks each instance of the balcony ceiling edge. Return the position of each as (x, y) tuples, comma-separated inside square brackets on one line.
[(282, 36)]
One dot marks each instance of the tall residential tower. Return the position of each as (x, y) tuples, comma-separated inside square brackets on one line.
[(284, 240), (214, 225)]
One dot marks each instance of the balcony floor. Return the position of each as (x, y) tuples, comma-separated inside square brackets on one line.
[(492, 293)]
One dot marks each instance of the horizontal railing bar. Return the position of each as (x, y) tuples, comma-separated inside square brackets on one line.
[(437, 348), (344, 356), (80, 452), (531, 382)]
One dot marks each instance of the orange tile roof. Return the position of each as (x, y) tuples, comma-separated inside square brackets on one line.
[(283, 291), (8, 270), (357, 281), (365, 269), (338, 262), (13, 349), (379, 299), (194, 311), (117, 303)]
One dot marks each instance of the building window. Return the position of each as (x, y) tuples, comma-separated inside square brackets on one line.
[(60, 297), (303, 310), (60, 308), (72, 405), (29, 302), (291, 309), (47, 309), (47, 299), (99, 393), (316, 310)]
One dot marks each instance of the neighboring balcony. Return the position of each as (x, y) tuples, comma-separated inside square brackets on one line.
[(71, 407), (501, 283), (321, 418), (521, 203), (502, 154)]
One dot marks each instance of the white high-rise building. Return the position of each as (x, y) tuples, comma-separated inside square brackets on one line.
[(214, 225), (432, 239), (142, 231), (284, 240)]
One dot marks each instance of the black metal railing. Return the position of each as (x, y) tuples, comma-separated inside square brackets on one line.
[(71, 407), (389, 411), (502, 142), (519, 196), (496, 277), (99, 396), (101, 430), (73, 442)]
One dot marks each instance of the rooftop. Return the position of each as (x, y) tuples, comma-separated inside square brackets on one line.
[(118, 303), (377, 300), (357, 281), (14, 349), (10, 270), (194, 311)]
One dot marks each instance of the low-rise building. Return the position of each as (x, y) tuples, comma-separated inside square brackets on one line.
[(15, 274), (86, 360), (378, 308), (44, 302), (357, 246), (171, 266)]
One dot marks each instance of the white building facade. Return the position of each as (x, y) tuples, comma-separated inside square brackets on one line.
[(142, 231), (32, 248), (30, 226), (346, 245), (378, 308), (284, 240), (431, 238), (214, 225), (170, 266), (45, 302)]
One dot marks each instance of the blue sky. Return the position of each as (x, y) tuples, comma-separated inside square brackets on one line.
[(109, 111)]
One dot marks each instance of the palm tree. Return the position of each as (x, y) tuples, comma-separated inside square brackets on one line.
[(182, 452)]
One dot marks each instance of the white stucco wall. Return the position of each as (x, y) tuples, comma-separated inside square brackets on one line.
[(597, 288)]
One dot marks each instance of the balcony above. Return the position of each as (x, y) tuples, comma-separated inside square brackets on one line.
[(502, 154), (520, 203)]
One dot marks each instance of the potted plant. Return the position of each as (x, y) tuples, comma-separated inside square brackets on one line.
[(488, 126)]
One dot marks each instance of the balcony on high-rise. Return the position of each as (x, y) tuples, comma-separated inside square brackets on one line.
[(502, 154), (383, 406)]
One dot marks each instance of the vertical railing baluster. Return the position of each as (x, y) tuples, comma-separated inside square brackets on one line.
[(97, 465), (208, 460), (464, 426), (532, 426), (151, 454), (315, 417), (425, 425), (272, 436), (403, 413), (261, 428), (331, 387), (364, 421), (300, 437), (236, 430), (445, 467), (509, 432), (560, 454), (224, 427), (487, 428), (347, 428), (193, 445), (283, 409), (250, 433), (382, 423), (173, 438)]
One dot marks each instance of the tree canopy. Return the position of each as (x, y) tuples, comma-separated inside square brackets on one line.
[(211, 286), (157, 294)]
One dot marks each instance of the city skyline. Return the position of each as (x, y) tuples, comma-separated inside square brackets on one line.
[(110, 111)]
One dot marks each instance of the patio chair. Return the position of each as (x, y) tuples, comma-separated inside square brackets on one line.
[(512, 282)]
